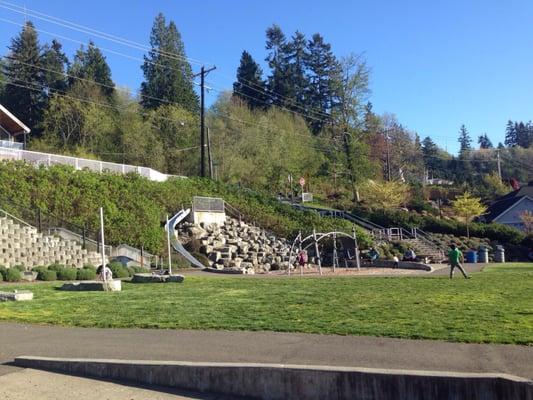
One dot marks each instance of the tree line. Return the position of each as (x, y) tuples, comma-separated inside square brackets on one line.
[(308, 115)]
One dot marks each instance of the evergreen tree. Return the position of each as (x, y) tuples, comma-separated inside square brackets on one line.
[(430, 153), (91, 65), (54, 62), (278, 81), (523, 132), (484, 142), (168, 75), (464, 140), (23, 95), (296, 56), (511, 138), (250, 86), (322, 69)]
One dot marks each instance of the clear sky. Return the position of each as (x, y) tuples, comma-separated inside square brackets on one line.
[(435, 64)]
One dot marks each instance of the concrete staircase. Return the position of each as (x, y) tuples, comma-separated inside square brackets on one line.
[(22, 244), (425, 249)]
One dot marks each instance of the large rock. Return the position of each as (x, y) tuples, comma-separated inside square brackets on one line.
[(17, 295), (91, 286)]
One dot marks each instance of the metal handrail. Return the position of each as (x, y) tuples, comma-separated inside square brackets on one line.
[(15, 218)]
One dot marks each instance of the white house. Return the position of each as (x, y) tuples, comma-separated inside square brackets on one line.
[(11, 128), (508, 209)]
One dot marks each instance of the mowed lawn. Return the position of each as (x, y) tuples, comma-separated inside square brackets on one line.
[(496, 306)]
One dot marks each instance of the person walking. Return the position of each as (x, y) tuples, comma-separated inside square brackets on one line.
[(455, 258)]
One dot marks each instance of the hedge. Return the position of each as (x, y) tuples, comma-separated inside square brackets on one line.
[(135, 206), (67, 274), (86, 274), (13, 275), (47, 275), (429, 223)]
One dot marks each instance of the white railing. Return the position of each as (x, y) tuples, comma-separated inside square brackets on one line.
[(37, 158), (11, 145)]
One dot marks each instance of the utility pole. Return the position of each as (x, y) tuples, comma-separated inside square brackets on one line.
[(209, 158), (202, 74), (388, 157), (499, 164)]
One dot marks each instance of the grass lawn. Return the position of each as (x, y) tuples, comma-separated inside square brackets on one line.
[(496, 306)]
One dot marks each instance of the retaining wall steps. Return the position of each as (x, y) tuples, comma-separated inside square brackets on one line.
[(24, 245)]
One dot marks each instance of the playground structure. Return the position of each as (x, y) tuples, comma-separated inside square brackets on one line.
[(313, 240), (170, 228)]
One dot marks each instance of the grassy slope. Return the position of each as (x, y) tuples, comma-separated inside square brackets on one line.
[(134, 207), (495, 306)]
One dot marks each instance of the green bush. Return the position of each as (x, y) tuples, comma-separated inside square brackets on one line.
[(1, 277), (47, 275), (20, 268), (67, 274), (119, 271), (86, 274), (138, 269), (13, 275), (56, 267), (3, 272), (90, 267)]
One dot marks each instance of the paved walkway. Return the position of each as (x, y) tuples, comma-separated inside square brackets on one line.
[(266, 347)]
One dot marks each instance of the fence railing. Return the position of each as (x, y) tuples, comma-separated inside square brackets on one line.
[(46, 159), (11, 145)]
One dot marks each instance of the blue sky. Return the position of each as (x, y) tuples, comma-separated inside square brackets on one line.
[(435, 65)]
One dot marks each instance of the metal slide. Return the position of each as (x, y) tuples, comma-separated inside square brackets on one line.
[(172, 222)]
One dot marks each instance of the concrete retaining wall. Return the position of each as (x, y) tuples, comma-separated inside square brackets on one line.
[(276, 381)]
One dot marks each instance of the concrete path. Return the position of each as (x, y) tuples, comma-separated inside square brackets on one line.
[(261, 347), (33, 384)]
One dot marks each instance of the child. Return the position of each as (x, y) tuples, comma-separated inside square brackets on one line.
[(396, 262)]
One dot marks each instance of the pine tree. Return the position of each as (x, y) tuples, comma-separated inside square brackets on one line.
[(484, 142), (464, 140), (511, 138), (322, 68), (278, 82), (91, 65), (54, 62), (23, 94), (168, 75), (250, 86), (430, 153), (296, 56)]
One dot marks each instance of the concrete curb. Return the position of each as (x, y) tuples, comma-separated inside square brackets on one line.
[(279, 381)]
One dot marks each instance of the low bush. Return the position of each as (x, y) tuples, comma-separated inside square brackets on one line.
[(56, 267), (67, 274), (86, 274), (90, 267), (13, 275), (119, 271), (47, 275), (3, 272), (1, 277), (20, 268), (138, 269)]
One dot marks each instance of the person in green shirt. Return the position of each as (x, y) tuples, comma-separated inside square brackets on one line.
[(455, 258)]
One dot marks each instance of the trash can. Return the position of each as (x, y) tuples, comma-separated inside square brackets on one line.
[(483, 255), (499, 254), (471, 256)]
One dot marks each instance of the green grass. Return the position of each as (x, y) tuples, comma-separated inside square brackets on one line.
[(496, 306)]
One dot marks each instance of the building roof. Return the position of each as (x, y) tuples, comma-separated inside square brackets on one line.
[(499, 207), (11, 124)]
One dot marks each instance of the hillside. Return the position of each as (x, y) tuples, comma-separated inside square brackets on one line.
[(135, 207)]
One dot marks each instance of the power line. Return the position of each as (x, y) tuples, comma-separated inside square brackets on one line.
[(91, 31), (126, 42)]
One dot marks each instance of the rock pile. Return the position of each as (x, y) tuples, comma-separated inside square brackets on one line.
[(238, 247)]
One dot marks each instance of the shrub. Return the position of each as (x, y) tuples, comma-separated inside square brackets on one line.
[(1, 277), (56, 267), (119, 271), (47, 275), (90, 267), (20, 268), (3, 272), (86, 274), (67, 274), (138, 269), (13, 275)]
